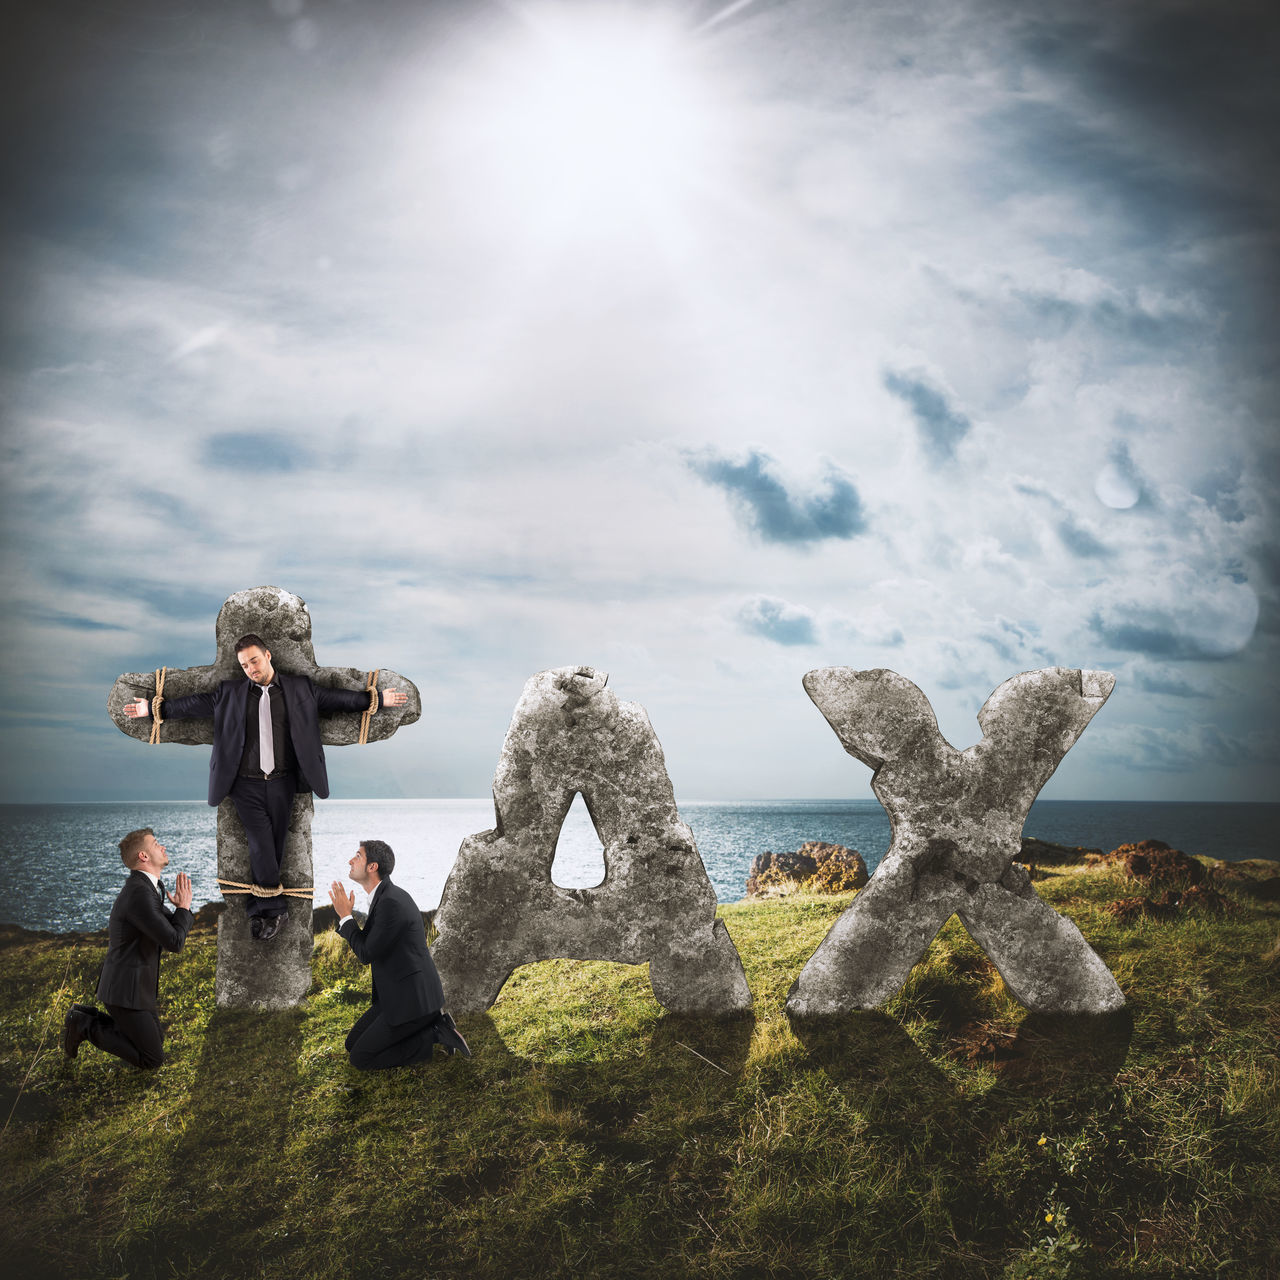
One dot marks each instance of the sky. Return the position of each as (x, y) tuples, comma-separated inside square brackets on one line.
[(702, 343)]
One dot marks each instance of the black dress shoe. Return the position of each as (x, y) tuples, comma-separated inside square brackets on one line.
[(75, 1027), (450, 1037), (255, 927), (271, 925)]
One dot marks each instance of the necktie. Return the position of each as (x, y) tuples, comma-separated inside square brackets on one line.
[(266, 745), (160, 889)]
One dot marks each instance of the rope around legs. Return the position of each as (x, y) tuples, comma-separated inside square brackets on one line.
[(230, 887)]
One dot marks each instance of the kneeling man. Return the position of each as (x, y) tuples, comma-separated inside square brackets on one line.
[(140, 928), (407, 1017)]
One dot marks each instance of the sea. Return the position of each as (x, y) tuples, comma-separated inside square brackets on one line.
[(60, 866)]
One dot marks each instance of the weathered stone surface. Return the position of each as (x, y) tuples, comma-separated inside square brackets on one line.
[(957, 820), (816, 867), (276, 974), (570, 735)]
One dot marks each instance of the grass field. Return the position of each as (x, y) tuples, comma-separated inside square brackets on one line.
[(950, 1134)]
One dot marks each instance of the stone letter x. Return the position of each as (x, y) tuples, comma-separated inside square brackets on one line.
[(957, 824)]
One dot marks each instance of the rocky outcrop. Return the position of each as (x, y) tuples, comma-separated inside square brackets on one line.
[(1153, 862), (1172, 904), (816, 867), (1044, 853)]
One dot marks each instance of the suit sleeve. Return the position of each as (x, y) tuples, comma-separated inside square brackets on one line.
[(190, 707), (330, 701), (380, 940), (146, 914)]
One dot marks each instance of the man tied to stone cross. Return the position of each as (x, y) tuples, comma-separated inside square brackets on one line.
[(266, 748)]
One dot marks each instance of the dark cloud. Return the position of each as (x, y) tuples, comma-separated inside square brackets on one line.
[(253, 451), (1078, 540), (1013, 641), (941, 426), (778, 621), (1123, 318), (1166, 680), (1073, 535), (763, 503), (1152, 750)]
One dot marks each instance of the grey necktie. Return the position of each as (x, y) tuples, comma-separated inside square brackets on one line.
[(266, 744)]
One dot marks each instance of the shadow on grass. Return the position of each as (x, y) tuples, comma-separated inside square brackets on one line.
[(1067, 1052), (712, 1045), (220, 1192), (870, 1050)]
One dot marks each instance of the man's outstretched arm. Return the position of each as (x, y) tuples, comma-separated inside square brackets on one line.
[(329, 701), (193, 705)]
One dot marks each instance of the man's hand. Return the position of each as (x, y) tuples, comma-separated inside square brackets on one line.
[(181, 895), (343, 902), (138, 710), (394, 697)]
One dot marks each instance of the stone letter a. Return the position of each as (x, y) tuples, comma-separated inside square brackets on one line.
[(570, 735)]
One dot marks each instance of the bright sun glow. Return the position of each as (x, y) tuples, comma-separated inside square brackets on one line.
[(596, 121)]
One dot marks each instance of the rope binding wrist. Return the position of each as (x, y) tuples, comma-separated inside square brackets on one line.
[(156, 702), (371, 687)]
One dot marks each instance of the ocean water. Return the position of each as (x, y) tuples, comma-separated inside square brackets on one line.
[(60, 868)]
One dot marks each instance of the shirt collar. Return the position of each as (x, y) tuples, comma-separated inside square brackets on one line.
[(155, 879)]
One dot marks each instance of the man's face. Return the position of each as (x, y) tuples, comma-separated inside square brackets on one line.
[(359, 867), (157, 855), (256, 664)]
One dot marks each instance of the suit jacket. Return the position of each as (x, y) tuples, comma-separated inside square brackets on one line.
[(393, 941), (140, 928), (306, 703)]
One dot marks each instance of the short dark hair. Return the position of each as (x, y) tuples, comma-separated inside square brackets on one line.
[(379, 852), (249, 640), (131, 846)]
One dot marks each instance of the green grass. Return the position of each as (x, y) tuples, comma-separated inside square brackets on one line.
[(949, 1134)]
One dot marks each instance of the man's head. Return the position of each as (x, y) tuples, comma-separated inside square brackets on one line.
[(141, 851), (254, 658), (373, 863)]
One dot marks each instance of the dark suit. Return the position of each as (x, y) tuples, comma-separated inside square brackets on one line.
[(139, 929), (264, 806), (402, 1023)]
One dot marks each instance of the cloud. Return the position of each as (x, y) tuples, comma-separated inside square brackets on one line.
[(1154, 677), (941, 426), (778, 621), (1180, 617), (1149, 749), (255, 451), (71, 621), (763, 503), (1073, 533)]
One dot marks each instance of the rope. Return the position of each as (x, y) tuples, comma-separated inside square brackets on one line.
[(371, 687), (230, 887), (156, 720)]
